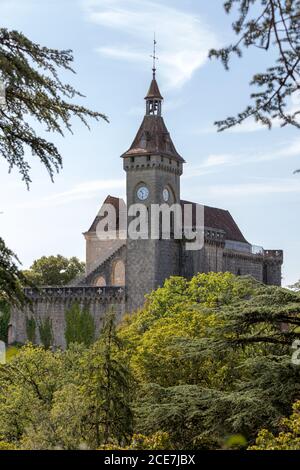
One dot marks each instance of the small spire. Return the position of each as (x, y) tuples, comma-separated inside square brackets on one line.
[(154, 56), (154, 98)]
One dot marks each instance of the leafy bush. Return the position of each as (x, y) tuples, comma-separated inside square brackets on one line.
[(80, 326), (287, 439), (7, 446), (4, 321), (46, 333), (31, 329)]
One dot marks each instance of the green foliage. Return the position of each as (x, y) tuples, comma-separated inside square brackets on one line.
[(174, 327), (271, 26), (31, 329), (108, 387), (4, 320), (77, 399), (34, 93), (46, 332), (212, 363), (211, 359), (11, 279), (11, 352), (54, 271), (287, 439), (7, 446), (80, 325), (28, 382), (33, 89), (157, 441), (296, 286), (236, 442)]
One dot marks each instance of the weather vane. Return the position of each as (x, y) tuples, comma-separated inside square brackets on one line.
[(154, 56)]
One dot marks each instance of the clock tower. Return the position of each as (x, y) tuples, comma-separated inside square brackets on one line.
[(153, 168)]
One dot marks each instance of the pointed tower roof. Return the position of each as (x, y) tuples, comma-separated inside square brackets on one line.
[(153, 92), (153, 137)]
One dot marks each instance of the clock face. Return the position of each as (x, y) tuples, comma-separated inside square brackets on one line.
[(143, 193), (166, 195)]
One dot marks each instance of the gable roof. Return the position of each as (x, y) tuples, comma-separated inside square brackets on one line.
[(220, 219), (114, 201)]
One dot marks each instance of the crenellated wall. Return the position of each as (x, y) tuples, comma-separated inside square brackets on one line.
[(52, 302), (273, 260), (215, 256), (243, 264)]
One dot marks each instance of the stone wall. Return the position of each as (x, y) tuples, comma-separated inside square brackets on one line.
[(106, 268), (273, 260), (53, 302), (243, 264), (149, 264)]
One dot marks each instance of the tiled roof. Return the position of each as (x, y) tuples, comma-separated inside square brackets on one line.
[(221, 219), (153, 138), (214, 218), (114, 201)]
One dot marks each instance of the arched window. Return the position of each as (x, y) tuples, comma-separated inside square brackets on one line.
[(100, 281), (118, 274)]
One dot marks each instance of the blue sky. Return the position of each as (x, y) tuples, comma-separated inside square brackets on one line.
[(248, 171)]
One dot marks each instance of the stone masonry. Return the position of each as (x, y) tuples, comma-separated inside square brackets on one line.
[(121, 271)]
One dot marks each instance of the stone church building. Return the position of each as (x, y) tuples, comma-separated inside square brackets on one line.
[(121, 271)]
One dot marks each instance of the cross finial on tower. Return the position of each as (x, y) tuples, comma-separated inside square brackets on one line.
[(154, 56)]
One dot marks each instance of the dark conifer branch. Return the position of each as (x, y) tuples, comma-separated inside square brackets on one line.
[(276, 28), (33, 89)]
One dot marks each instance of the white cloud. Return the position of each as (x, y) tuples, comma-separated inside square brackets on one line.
[(184, 39), (209, 165), (218, 162), (82, 191)]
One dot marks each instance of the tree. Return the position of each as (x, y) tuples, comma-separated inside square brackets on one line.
[(54, 271), (31, 329), (33, 89), (4, 321), (79, 398), (287, 439), (28, 382), (296, 286), (12, 280), (80, 325), (272, 26), (107, 386), (212, 364), (271, 317), (164, 339), (211, 359), (46, 332)]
